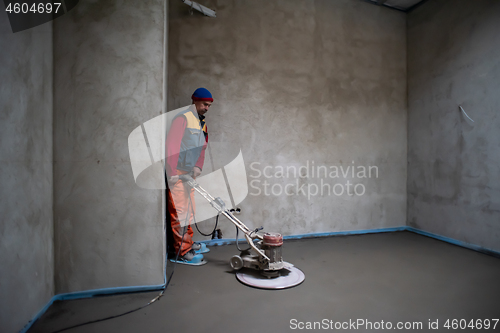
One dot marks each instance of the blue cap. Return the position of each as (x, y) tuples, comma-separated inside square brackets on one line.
[(202, 94)]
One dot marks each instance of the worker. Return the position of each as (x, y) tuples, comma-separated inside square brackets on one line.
[(185, 147)]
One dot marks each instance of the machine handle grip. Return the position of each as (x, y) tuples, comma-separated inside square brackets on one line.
[(186, 177)]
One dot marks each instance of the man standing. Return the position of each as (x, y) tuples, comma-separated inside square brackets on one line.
[(185, 151)]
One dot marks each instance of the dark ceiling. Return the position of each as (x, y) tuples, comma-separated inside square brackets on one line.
[(403, 5)]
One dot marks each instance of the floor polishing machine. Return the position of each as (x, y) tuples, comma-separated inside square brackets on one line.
[(261, 265)]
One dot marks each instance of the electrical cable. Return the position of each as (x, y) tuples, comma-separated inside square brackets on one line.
[(154, 299), (237, 232), (237, 245), (215, 227)]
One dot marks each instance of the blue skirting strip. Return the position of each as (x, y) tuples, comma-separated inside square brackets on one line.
[(107, 291), (455, 242), (40, 313), (227, 241), (345, 233), (90, 294)]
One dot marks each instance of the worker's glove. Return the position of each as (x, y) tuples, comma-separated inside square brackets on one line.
[(172, 180), (196, 172)]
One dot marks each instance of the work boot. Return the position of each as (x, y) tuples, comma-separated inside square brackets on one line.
[(188, 256), (199, 248)]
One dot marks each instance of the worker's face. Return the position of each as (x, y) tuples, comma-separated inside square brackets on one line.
[(202, 106)]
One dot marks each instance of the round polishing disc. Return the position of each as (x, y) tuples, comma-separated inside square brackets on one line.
[(289, 277)]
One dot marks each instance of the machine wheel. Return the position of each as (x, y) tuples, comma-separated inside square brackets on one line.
[(236, 262)]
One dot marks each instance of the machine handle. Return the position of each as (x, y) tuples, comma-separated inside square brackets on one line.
[(220, 206), (186, 177)]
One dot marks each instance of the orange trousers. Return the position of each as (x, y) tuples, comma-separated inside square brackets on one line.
[(181, 208)]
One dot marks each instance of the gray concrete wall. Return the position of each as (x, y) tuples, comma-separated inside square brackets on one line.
[(26, 226), (297, 82), (108, 81), (453, 163)]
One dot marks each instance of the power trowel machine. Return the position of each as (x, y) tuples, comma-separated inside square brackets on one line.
[(265, 268)]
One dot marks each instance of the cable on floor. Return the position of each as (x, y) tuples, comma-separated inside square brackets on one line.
[(150, 302)]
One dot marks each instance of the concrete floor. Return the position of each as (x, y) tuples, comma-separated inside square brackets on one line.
[(389, 277)]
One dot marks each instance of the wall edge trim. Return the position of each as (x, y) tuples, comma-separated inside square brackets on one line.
[(477, 248), (228, 241), (89, 294), (449, 240)]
